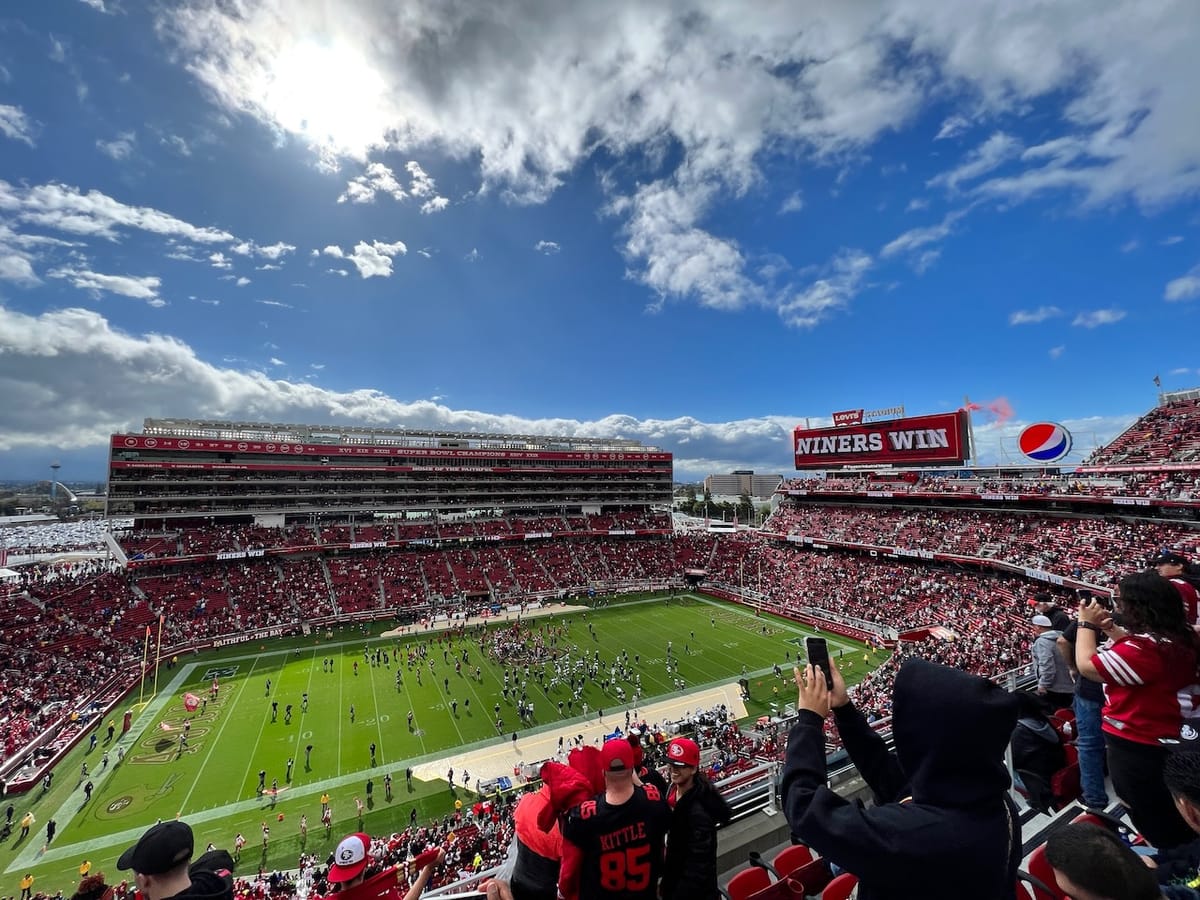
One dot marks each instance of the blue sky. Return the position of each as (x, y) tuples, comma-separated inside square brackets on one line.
[(694, 224)]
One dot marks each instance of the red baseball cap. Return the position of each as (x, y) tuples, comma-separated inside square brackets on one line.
[(350, 858), (616, 756), (683, 752)]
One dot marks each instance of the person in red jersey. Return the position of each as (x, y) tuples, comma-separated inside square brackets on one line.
[(1148, 669), (618, 835), (1172, 566), (352, 861)]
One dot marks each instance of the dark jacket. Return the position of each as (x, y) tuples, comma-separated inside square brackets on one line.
[(942, 826), (1037, 753), (1177, 867), (690, 866), (212, 877)]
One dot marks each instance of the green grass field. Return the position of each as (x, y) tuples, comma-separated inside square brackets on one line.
[(213, 783)]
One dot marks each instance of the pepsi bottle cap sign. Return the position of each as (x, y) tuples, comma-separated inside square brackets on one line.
[(1045, 442)]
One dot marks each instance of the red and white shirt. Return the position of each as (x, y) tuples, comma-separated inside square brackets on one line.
[(1191, 599), (1147, 683)]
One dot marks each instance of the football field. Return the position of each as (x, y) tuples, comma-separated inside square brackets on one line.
[(355, 700)]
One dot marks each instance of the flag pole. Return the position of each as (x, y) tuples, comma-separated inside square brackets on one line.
[(157, 655), (145, 656)]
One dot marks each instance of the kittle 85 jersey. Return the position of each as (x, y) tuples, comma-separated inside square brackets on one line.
[(622, 846)]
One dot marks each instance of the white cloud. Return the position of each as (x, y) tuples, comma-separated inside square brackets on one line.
[(1056, 352), (1130, 245), (220, 261), (119, 148), (342, 272), (1186, 287), (317, 366), (1171, 240), (547, 247), (373, 259), (953, 126), (916, 204), (143, 287), (275, 251), (710, 88), (17, 267), (794, 202), (1183, 371), (1034, 316), (472, 255), (917, 238), (178, 144), (425, 253), (95, 214), (268, 267), (1097, 317), (97, 5), (59, 356), (276, 303), (992, 153), (332, 250), (422, 184), (242, 282), (276, 361), (823, 297), (377, 179), (15, 124)]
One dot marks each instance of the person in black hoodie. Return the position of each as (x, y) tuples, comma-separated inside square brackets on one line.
[(697, 810), (943, 825), (159, 861)]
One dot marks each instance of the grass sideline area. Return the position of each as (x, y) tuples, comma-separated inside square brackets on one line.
[(212, 784)]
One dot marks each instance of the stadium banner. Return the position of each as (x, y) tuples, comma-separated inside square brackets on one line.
[(939, 439), (139, 442), (848, 417)]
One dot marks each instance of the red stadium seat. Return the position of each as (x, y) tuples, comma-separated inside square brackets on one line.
[(840, 888), (1029, 887), (748, 881), (1066, 786), (789, 859), (813, 875), (1040, 869)]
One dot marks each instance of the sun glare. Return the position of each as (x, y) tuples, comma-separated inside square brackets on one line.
[(328, 94)]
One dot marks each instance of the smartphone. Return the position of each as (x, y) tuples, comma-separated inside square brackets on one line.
[(818, 655)]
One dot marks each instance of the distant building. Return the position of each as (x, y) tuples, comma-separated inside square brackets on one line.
[(759, 487)]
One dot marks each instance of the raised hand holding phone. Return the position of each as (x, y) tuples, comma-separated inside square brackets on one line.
[(818, 655)]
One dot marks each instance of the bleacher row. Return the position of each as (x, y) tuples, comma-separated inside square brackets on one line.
[(209, 539), (1166, 434), (1176, 486), (807, 874), (1095, 550)]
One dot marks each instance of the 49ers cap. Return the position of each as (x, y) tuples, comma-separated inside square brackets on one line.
[(350, 858), (683, 752)]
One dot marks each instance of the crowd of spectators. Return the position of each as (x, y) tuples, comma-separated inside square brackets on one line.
[(1180, 486), (1166, 434), (1094, 550)]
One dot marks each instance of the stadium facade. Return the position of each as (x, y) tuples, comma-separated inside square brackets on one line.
[(273, 475)]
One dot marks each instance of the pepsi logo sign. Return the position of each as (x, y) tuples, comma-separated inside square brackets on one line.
[(1045, 442)]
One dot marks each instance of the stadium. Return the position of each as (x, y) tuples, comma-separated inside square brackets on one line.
[(481, 602)]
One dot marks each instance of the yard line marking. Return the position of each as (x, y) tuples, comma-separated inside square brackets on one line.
[(217, 738), (263, 724)]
